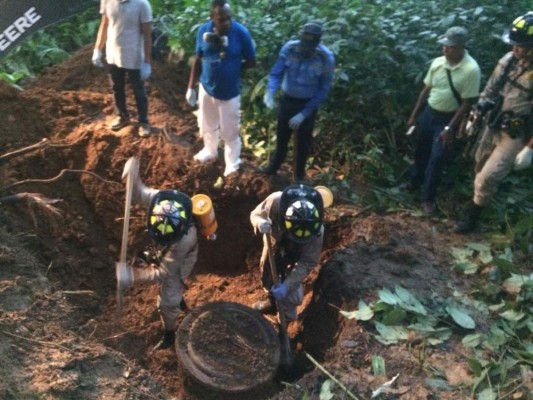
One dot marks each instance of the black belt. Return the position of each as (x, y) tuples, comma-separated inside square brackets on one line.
[(295, 99), (442, 114)]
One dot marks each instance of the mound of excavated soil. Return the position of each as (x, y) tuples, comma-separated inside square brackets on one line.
[(61, 335)]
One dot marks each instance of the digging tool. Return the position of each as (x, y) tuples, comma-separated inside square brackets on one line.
[(130, 169), (286, 356), (294, 155)]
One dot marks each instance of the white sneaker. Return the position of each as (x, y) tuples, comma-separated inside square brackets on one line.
[(204, 156), (229, 171), (124, 275), (232, 167)]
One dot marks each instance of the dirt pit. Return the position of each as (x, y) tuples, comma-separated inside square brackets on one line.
[(61, 335)]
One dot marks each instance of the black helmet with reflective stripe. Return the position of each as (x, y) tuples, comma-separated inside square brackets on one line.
[(521, 32), (301, 212), (169, 216)]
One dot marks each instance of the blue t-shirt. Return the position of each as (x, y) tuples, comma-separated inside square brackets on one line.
[(221, 66)]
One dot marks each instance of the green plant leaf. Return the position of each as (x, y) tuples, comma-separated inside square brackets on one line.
[(387, 297), (512, 315), (475, 366), (479, 247), (472, 340), (394, 316), (364, 313), (390, 334), (439, 384), (496, 337), (460, 317), (378, 365), (409, 302), (325, 390), (487, 394)]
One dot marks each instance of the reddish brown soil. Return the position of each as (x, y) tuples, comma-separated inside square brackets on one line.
[(61, 335)]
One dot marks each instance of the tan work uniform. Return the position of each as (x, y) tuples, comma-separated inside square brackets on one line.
[(497, 150), (309, 253), (177, 264)]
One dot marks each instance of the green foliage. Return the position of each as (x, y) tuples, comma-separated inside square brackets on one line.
[(501, 348), (49, 46)]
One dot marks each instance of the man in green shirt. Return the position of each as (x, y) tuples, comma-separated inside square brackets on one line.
[(451, 86)]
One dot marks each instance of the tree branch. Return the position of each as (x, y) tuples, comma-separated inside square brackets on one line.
[(63, 172)]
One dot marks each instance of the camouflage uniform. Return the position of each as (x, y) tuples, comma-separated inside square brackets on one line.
[(305, 256), (499, 144)]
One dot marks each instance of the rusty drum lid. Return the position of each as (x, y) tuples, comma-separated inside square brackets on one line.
[(228, 347)]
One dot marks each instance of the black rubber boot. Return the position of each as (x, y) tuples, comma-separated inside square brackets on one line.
[(169, 337), (469, 221)]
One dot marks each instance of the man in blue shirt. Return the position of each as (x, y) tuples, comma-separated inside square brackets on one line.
[(304, 72), (223, 49)]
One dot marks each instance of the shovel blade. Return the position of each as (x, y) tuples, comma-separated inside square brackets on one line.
[(286, 356), (131, 167)]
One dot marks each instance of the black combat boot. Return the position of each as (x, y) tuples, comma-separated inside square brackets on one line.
[(468, 223), (169, 337)]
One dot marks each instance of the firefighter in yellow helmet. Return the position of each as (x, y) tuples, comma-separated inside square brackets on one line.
[(293, 219), (171, 259), (507, 138)]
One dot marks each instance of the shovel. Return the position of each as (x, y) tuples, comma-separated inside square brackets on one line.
[(294, 155), (286, 356), (130, 170)]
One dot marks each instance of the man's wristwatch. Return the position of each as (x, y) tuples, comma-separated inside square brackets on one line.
[(448, 128)]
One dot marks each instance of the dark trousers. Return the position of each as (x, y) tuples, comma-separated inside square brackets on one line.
[(118, 81), (430, 153), (288, 108)]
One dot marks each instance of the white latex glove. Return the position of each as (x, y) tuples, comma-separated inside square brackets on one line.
[(268, 99), (97, 58), (265, 226), (296, 121), (146, 71), (523, 159), (124, 275), (191, 97)]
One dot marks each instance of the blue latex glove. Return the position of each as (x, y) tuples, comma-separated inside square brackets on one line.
[(279, 291), (296, 121), (146, 71)]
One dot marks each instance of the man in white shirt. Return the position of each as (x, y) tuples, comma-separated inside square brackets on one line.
[(126, 35)]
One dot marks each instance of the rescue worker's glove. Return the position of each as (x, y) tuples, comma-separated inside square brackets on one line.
[(124, 275), (191, 97), (97, 58), (523, 159), (264, 226), (296, 121), (279, 291), (146, 71), (268, 99)]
